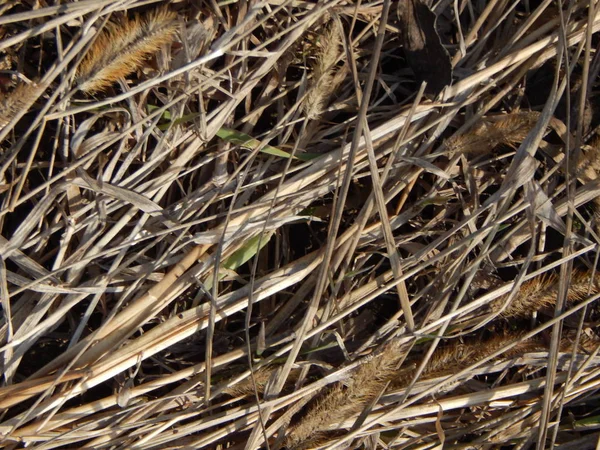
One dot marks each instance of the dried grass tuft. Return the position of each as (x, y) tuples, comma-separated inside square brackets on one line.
[(247, 387), (589, 163), (541, 293), (508, 129), (349, 398), (589, 170), (123, 46), (327, 77), (17, 101), (346, 399), (132, 283)]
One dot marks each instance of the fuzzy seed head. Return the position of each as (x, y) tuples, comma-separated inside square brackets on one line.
[(123, 46), (507, 130), (18, 101), (326, 77)]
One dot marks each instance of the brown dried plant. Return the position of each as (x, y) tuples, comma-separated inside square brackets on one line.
[(249, 387), (509, 129), (457, 355), (246, 386), (589, 169), (20, 99), (346, 399), (541, 293), (326, 76), (123, 46), (106, 287), (589, 162)]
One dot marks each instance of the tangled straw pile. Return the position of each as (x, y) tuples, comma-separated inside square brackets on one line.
[(299, 224)]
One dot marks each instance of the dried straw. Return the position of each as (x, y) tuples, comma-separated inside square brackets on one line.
[(137, 295)]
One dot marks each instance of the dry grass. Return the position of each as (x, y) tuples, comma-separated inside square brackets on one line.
[(326, 79), (540, 294), (507, 129), (18, 99), (251, 225), (122, 47)]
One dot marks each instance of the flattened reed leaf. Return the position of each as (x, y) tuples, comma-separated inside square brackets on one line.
[(243, 140)]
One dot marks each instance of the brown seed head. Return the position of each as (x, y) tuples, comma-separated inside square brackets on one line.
[(123, 46)]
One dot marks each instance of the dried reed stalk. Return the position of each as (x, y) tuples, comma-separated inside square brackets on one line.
[(483, 138), (122, 48), (59, 407), (541, 292)]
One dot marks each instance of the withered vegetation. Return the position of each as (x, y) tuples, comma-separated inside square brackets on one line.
[(507, 129), (295, 225), (541, 293), (326, 77), (17, 101), (122, 46)]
